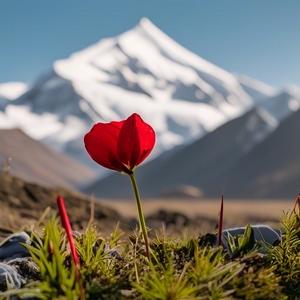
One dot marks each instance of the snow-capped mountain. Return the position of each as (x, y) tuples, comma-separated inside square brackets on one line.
[(256, 89), (142, 70), (10, 91), (283, 103)]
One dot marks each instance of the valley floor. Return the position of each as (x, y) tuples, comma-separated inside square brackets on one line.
[(236, 212)]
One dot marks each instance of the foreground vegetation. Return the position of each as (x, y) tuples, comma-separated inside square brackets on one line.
[(183, 268)]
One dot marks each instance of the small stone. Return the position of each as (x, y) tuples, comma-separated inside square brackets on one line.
[(10, 278), (262, 233), (26, 268), (12, 246)]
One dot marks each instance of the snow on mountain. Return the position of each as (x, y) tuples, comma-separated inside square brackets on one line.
[(142, 70), (12, 90), (283, 103), (9, 91), (256, 89)]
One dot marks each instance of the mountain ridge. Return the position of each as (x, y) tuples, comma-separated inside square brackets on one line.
[(272, 168), (29, 159)]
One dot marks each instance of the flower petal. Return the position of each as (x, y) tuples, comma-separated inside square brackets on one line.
[(136, 141), (101, 144)]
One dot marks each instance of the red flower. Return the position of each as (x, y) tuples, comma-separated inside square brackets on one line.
[(120, 146), (67, 226)]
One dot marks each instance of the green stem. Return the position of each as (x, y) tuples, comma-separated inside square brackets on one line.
[(140, 211)]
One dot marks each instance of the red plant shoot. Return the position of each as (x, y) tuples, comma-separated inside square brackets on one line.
[(297, 203), (221, 220), (67, 226)]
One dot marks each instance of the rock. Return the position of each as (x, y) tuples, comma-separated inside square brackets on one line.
[(16, 266), (9, 277), (262, 233), (12, 246), (25, 267), (17, 272)]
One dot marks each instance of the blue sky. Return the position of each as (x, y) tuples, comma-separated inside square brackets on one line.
[(260, 38)]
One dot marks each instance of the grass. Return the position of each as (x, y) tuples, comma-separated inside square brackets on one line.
[(116, 267)]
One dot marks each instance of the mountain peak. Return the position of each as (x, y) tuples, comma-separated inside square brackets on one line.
[(147, 25), (146, 44), (151, 35), (148, 28)]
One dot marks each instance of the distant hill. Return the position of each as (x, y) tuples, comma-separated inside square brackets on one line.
[(23, 203), (198, 164), (33, 161), (272, 168)]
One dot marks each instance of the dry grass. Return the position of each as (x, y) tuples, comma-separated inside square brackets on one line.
[(259, 210)]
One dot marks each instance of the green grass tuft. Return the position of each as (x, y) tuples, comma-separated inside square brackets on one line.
[(180, 269)]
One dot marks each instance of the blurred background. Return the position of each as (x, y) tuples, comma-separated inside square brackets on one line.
[(218, 80)]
